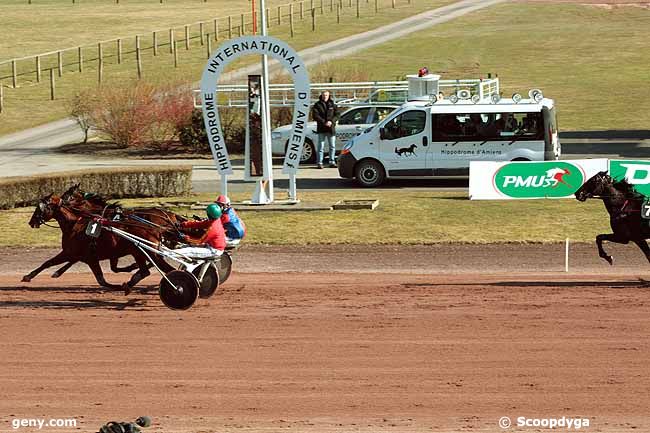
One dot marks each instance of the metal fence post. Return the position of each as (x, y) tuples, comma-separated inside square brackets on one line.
[(279, 15), (100, 62), (38, 69), (291, 19), (2, 98), (119, 51), (14, 74), (175, 54), (216, 30), (171, 41), (313, 20), (209, 44), (81, 59), (52, 86), (59, 59), (242, 25), (358, 11), (138, 56), (201, 32), (229, 27), (155, 43), (302, 10), (187, 37)]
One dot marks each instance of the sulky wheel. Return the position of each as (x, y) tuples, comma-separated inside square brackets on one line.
[(224, 266), (209, 283), (182, 294)]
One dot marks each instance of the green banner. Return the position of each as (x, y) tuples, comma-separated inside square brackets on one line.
[(636, 172)]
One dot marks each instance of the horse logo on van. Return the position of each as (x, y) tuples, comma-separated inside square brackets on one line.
[(406, 151)]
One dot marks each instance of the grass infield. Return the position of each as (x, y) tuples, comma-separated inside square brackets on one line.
[(403, 217), (593, 61)]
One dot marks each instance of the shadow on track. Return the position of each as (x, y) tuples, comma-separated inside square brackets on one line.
[(639, 283), (76, 304)]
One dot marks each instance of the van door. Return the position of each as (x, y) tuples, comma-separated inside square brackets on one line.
[(405, 143)]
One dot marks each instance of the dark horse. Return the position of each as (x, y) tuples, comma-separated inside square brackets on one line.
[(78, 247), (623, 203)]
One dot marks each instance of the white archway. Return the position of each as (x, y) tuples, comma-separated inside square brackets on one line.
[(289, 58)]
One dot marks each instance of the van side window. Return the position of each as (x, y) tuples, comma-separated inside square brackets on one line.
[(487, 126), (406, 124)]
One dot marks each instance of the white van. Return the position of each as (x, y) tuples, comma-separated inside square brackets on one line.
[(439, 137)]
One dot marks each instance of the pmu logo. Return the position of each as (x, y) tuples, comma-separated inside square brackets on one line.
[(538, 179)]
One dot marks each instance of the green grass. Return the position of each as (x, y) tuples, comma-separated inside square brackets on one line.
[(29, 105), (48, 25), (402, 218), (592, 61)]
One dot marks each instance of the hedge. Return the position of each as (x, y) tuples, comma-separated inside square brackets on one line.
[(120, 182)]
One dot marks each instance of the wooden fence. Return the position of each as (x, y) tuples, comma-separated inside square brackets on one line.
[(36, 69)]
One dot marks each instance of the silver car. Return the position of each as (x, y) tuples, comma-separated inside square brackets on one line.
[(351, 123)]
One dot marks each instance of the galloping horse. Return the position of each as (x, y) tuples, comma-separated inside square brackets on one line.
[(623, 204), (78, 247)]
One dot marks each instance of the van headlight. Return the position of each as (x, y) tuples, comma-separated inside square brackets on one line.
[(276, 135)]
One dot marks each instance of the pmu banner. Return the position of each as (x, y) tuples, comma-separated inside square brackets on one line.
[(490, 180), (635, 172)]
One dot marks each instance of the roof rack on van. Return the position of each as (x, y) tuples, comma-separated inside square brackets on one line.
[(352, 93)]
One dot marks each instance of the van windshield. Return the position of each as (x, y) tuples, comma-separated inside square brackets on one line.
[(488, 126)]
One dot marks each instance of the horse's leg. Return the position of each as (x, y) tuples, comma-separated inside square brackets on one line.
[(99, 275), (114, 261), (64, 268), (643, 246), (62, 257), (143, 272), (611, 238)]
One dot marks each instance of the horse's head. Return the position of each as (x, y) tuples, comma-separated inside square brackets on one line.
[(594, 187), (44, 210), (72, 194)]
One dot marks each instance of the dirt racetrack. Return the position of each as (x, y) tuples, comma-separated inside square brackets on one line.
[(413, 347)]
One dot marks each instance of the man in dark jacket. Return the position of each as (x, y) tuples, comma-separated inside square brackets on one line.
[(325, 113)]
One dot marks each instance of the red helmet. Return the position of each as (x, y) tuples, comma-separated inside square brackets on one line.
[(423, 71), (223, 199)]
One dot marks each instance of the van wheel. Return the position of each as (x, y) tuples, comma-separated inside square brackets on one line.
[(308, 152), (370, 173)]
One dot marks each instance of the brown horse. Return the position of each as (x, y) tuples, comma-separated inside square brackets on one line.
[(75, 199), (78, 247)]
